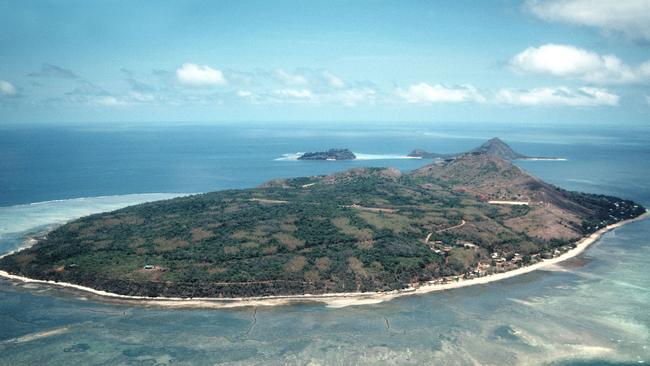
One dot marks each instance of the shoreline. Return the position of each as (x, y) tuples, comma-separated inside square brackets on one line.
[(542, 159), (334, 300)]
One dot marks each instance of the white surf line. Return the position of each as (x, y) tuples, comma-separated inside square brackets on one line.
[(36, 336), (544, 159), (358, 156), (36, 216), (362, 156), (340, 299)]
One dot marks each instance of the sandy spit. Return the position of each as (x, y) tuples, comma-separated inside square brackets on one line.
[(334, 300)]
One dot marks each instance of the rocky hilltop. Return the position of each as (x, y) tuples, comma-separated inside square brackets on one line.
[(366, 229), (331, 154), (493, 147), (498, 148)]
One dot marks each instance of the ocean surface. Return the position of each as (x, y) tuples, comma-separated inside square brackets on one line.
[(593, 309)]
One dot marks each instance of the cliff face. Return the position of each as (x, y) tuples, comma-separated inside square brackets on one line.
[(331, 154)]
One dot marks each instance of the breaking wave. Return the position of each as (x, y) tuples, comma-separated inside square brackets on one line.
[(360, 156), (18, 219)]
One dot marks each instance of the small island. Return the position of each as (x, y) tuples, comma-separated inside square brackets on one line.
[(356, 232), (493, 147), (331, 154)]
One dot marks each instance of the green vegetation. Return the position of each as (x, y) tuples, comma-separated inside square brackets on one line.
[(362, 230)]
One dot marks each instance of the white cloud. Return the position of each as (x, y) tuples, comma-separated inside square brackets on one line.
[(291, 79), (299, 94), (348, 97), (352, 97), (558, 96), (142, 97), (628, 17), (572, 62), (108, 101), (424, 93), (333, 80), (7, 88), (644, 69), (199, 75), (244, 93)]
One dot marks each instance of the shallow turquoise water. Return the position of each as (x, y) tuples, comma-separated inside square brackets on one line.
[(593, 309)]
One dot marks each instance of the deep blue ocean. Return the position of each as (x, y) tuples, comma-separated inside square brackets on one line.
[(594, 309)]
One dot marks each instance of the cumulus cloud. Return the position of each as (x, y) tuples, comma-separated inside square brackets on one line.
[(199, 75), (628, 17), (573, 62), (353, 97), (424, 93), (7, 88), (294, 94), (291, 79), (91, 94), (142, 97), (107, 101), (244, 93), (558, 96), (53, 71), (311, 87), (139, 86), (348, 97), (333, 80)]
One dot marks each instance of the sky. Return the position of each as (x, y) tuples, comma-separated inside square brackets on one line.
[(534, 61)]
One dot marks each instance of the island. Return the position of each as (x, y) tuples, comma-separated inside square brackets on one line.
[(331, 154), (493, 147), (361, 231)]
